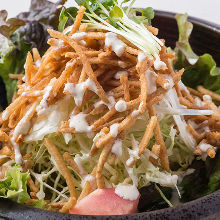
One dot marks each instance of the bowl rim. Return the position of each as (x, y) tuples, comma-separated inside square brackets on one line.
[(150, 214), (205, 199), (195, 20)]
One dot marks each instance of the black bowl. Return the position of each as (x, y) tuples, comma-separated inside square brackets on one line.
[(205, 39)]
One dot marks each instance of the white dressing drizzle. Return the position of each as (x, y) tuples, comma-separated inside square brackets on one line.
[(58, 44), (207, 98), (42, 107), (114, 130), (79, 123), (117, 148), (204, 147), (136, 112), (109, 105), (78, 36), (151, 80), (18, 157), (88, 178), (67, 137), (129, 192), (5, 115), (199, 102), (170, 82), (163, 179), (121, 106), (141, 57), (158, 64), (111, 40), (24, 124), (120, 73), (133, 153), (78, 90), (38, 63)]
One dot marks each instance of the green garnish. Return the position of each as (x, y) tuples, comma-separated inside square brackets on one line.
[(119, 23)]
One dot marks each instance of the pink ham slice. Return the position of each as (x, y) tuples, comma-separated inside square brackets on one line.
[(104, 202)]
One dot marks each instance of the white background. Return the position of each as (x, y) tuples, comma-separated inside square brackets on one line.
[(205, 9)]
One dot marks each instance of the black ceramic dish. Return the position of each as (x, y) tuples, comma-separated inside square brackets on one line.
[(205, 38)]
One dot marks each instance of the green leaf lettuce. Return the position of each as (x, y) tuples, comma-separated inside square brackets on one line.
[(199, 70), (14, 185)]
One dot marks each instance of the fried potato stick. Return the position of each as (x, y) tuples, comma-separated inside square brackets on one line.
[(159, 140), (54, 152)]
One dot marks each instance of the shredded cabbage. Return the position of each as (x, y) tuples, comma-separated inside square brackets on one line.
[(52, 184)]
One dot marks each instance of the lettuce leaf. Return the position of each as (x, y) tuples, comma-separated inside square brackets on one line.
[(199, 70), (203, 181), (151, 199), (40, 204), (19, 35), (14, 185)]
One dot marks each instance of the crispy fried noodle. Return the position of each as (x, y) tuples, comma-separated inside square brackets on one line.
[(97, 111)]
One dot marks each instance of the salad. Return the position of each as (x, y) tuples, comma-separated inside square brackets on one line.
[(103, 118)]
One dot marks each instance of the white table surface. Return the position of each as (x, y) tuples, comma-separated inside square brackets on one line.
[(205, 9)]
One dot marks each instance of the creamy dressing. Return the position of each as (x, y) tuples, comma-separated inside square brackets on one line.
[(199, 102), (18, 157), (151, 80), (121, 106), (117, 148), (192, 61), (170, 82), (120, 73), (207, 98), (40, 195), (97, 136), (151, 154), (163, 179), (24, 124), (78, 90), (42, 107), (158, 64), (129, 192), (110, 105), (133, 153), (79, 123), (5, 115), (114, 130), (67, 137), (137, 112), (68, 64), (141, 57), (111, 40), (58, 44), (50, 121), (88, 178), (79, 36), (38, 63), (37, 93), (27, 88), (78, 161), (204, 147)]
